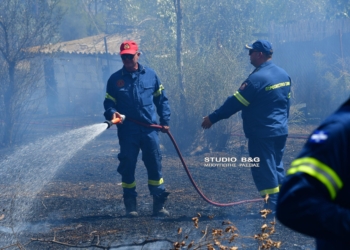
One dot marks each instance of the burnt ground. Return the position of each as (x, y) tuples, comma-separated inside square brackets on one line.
[(82, 206)]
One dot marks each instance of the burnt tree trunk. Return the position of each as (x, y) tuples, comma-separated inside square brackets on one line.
[(184, 117), (9, 116)]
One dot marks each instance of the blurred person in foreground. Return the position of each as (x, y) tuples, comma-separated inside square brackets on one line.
[(315, 195), (136, 92), (263, 99)]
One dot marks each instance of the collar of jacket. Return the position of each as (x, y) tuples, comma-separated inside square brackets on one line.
[(140, 69), (267, 63)]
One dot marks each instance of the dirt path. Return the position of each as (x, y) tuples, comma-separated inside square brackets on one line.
[(82, 206)]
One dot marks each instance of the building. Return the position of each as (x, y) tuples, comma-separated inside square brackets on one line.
[(76, 73)]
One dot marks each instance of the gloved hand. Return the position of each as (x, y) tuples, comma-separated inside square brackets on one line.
[(165, 129), (118, 118)]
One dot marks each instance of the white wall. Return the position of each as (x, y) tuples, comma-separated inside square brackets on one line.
[(81, 83)]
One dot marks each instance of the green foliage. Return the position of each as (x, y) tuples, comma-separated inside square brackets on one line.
[(213, 59), (296, 115), (333, 86), (213, 46), (291, 11), (339, 9), (81, 19)]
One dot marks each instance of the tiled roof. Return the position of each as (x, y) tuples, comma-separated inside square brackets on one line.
[(89, 45)]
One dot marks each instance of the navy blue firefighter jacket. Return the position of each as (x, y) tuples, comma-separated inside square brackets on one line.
[(136, 95), (314, 198), (264, 100)]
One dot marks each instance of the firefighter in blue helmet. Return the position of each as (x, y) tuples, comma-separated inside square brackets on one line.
[(314, 198), (263, 99), (136, 92)]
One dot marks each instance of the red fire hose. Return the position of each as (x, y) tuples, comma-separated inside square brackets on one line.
[(117, 120)]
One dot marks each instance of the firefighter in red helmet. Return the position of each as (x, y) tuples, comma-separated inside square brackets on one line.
[(136, 92)]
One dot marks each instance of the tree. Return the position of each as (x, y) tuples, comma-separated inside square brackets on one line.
[(82, 18), (213, 62), (213, 38), (196, 46), (23, 24)]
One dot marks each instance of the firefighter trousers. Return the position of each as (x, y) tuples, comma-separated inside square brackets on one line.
[(270, 173), (130, 146)]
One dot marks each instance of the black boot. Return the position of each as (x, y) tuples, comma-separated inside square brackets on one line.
[(130, 206), (158, 204)]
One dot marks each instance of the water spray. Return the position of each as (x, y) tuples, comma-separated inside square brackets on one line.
[(25, 173)]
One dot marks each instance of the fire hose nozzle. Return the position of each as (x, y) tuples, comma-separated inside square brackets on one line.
[(115, 121)]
